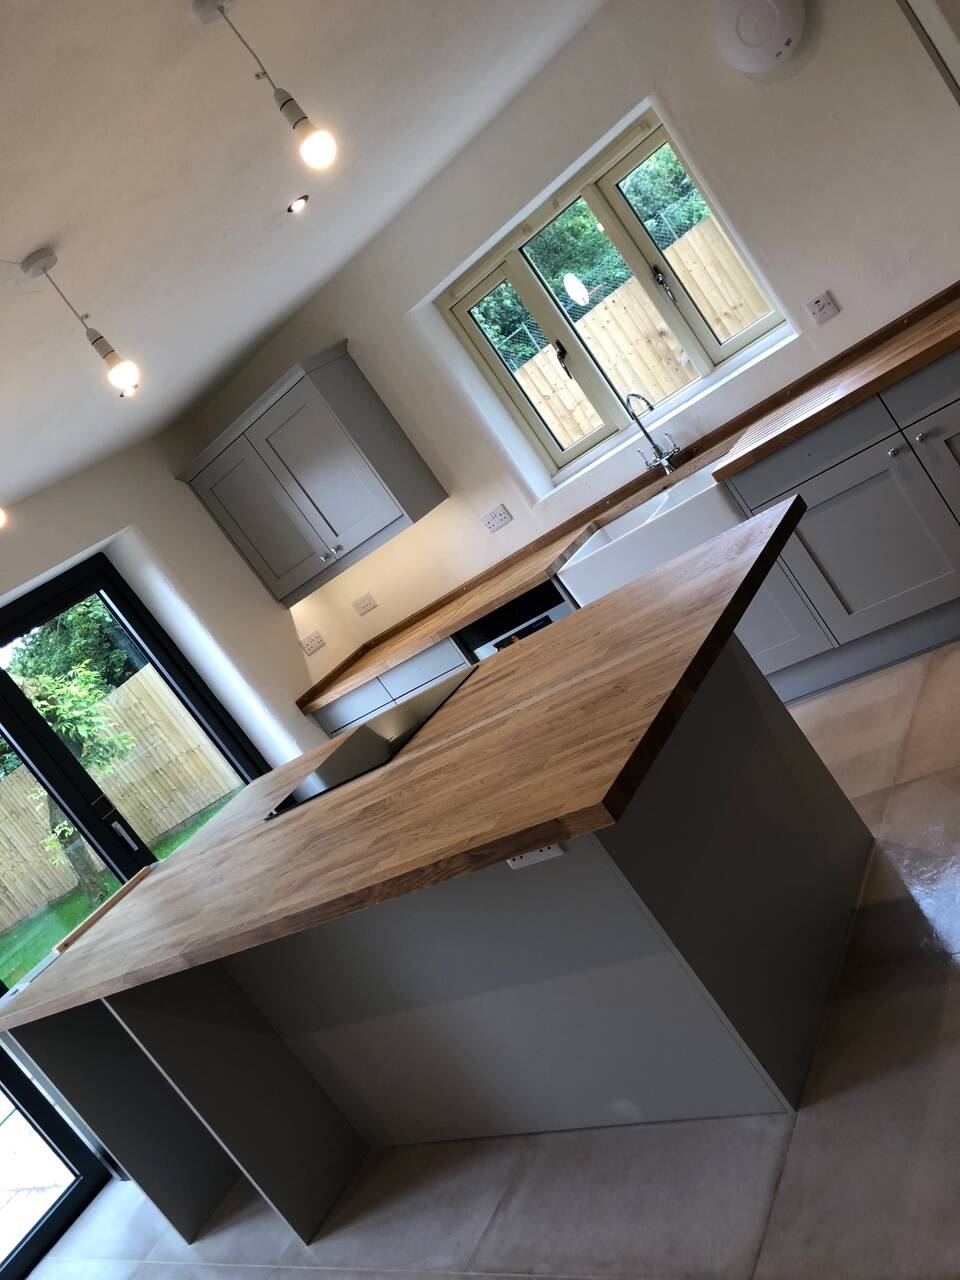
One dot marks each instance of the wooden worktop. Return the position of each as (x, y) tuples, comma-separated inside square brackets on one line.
[(545, 741), (898, 349), (872, 371)]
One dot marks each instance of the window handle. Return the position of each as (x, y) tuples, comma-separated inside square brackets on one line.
[(561, 351), (664, 284)]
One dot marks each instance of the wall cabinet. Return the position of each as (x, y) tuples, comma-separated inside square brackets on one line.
[(313, 477)]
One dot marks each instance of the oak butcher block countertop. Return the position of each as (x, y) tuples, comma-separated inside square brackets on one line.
[(548, 740)]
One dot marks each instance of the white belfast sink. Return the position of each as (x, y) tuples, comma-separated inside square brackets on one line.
[(676, 520)]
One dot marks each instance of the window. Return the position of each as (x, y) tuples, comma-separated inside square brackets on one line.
[(628, 284)]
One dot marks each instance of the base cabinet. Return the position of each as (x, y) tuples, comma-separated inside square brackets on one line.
[(780, 628)]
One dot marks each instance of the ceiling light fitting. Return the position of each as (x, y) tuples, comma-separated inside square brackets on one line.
[(318, 147), (122, 374), (298, 205)]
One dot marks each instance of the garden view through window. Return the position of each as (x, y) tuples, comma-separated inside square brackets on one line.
[(634, 286), (94, 686)]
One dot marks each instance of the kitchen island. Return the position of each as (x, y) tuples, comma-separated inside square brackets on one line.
[(365, 970)]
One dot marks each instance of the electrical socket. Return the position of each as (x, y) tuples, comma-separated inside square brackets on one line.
[(364, 604), (496, 518), (312, 642), (823, 307)]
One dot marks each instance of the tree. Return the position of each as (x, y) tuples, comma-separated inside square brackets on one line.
[(66, 668)]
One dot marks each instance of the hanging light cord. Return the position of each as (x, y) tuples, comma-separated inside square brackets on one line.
[(263, 73), (83, 319)]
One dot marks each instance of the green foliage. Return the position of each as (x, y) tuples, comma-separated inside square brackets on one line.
[(663, 196), (86, 632), (73, 707)]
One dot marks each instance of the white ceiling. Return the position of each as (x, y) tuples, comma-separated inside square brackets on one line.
[(137, 142)]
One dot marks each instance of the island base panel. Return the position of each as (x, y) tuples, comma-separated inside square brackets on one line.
[(751, 858), (225, 1060), (504, 1002), (133, 1112)]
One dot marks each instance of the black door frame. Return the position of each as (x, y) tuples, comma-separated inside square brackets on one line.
[(91, 1173)]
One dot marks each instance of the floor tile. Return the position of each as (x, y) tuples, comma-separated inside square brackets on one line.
[(84, 1269), (213, 1271), (419, 1208), (244, 1230), (869, 1188), (664, 1200), (859, 729), (872, 807), (120, 1223), (933, 741)]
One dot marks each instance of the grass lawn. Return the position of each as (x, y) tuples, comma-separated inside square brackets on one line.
[(25, 944)]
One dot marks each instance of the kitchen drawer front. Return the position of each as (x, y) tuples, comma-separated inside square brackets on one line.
[(795, 463), (429, 665), (877, 544), (925, 392), (358, 704)]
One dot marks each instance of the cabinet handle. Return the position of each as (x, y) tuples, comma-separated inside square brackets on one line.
[(920, 437), (338, 548), (892, 453)]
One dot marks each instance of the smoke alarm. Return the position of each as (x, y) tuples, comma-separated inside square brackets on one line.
[(759, 35)]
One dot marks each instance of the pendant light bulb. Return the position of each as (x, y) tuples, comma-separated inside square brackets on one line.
[(122, 374), (318, 147)]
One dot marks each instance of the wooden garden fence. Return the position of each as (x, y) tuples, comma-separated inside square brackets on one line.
[(633, 344), (171, 773)]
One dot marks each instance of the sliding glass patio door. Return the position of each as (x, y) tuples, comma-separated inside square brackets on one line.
[(47, 1173), (112, 754)]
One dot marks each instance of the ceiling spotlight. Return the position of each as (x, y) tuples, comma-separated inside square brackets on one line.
[(298, 205), (318, 147), (122, 374)]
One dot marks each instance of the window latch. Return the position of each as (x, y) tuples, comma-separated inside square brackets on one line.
[(664, 284), (561, 351)]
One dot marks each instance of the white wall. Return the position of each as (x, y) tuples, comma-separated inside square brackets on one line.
[(174, 556), (840, 173)]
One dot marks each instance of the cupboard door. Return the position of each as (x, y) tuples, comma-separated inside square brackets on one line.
[(260, 518), (304, 445), (779, 628), (877, 543), (936, 442)]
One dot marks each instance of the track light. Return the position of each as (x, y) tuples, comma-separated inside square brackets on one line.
[(318, 147), (122, 374)]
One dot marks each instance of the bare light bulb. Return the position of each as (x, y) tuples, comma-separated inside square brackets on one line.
[(318, 148), (124, 375), (3, 517)]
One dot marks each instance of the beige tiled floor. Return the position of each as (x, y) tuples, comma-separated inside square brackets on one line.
[(861, 1186)]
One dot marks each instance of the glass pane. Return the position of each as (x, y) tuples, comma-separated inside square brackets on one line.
[(678, 219), (32, 1177), (50, 878), (517, 339), (626, 335), (97, 690)]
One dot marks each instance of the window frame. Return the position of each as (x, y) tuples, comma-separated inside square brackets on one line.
[(597, 185)]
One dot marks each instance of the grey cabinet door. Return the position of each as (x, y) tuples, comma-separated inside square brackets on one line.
[(877, 543), (261, 519), (780, 628), (936, 441), (313, 457)]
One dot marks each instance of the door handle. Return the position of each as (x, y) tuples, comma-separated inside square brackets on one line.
[(124, 835)]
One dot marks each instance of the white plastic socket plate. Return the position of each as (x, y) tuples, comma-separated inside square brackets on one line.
[(36, 263), (823, 307), (364, 604), (312, 642), (496, 518)]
